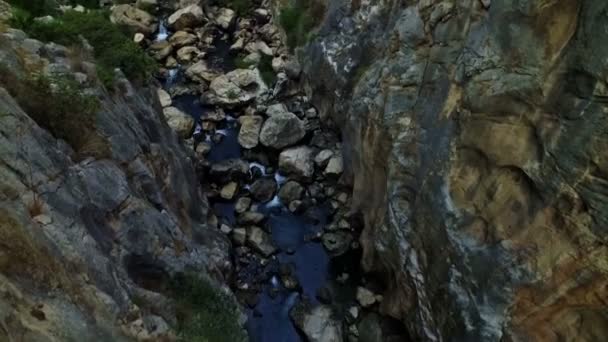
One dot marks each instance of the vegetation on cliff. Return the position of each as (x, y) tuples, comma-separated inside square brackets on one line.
[(205, 313), (113, 48), (299, 20)]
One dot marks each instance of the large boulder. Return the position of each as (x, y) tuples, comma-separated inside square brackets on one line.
[(229, 169), (260, 241), (291, 191), (337, 243), (264, 189), (249, 134), (179, 121), (134, 18), (225, 18), (200, 72), (318, 323), (282, 130), (182, 38), (235, 88), (186, 17), (297, 162)]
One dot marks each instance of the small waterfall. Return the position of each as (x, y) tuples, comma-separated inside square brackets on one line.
[(275, 202), (258, 166), (162, 34), (222, 132), (172, 77), (280, 179)]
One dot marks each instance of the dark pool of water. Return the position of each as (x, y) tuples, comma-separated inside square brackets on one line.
[(229, 146), (221, 58), (190, 104)]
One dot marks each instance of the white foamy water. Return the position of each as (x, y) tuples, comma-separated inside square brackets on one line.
[(257, 165), (172, 76), (222, 132), (274, 282), (230, 118), (162, 34), (275, 202), (280, 179)]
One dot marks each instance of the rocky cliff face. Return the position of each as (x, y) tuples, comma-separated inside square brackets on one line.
[(87, 244), (477, 147)]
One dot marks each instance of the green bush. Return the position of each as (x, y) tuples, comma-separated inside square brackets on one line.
[(113, 48), (300, 19), (56, 103), (205, 314), (266, 70), (36, 8), (241, 7)]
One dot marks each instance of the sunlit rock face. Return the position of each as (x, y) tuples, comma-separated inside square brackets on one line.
[(477, 139)]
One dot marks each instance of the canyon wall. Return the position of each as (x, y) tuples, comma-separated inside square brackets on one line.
[(90, 239), (476, 138)]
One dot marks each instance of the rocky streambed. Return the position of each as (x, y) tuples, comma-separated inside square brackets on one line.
[(271, 170)]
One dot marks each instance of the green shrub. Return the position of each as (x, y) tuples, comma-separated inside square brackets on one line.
[(113, 48), (266, 71), (20, 19), (56, 103), (240, 63), (205, 314), (300, 19), (241, 7), (36, 8)]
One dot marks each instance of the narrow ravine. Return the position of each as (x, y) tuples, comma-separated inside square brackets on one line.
[(273, 175)]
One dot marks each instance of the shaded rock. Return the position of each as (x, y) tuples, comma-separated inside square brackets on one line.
[(237, 87), (239, 236), (325, 295), (160, 50), (202, 149), (249, 134), (276, 109), (290, 192), (164, 98), (365, 297), (250, 218), (260, 241), (182, 38), (337, 243), (187, 53), (264, 189), (229, 190), (180, 122), (230, 169), (318, 323), (242, 204), (200, 72), (134, 18), (323, 157), (297, 162), (335, 166), (282, 130), (190, 16), (225, 18)]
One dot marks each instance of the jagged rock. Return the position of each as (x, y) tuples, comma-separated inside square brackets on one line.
[(287, 64), (297, 162), (282, 130), (229, 169), (237, 87), (318, 323), (202, 149), (238, 45), (252, 59), (225, 18), (164, 98), (200, 72), (190, 16), (182, 38), (147, 5), (160, 50), (187, 53), (335, 166), (239, 236), (260, 241), (291, 191), (323, 157), (276, 109), (134, 18), (263, 189), (229, 190), (242, 205), (249, 133), (263, 48), (250, 218), (337, 243), (180, 122), (365, 297)]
